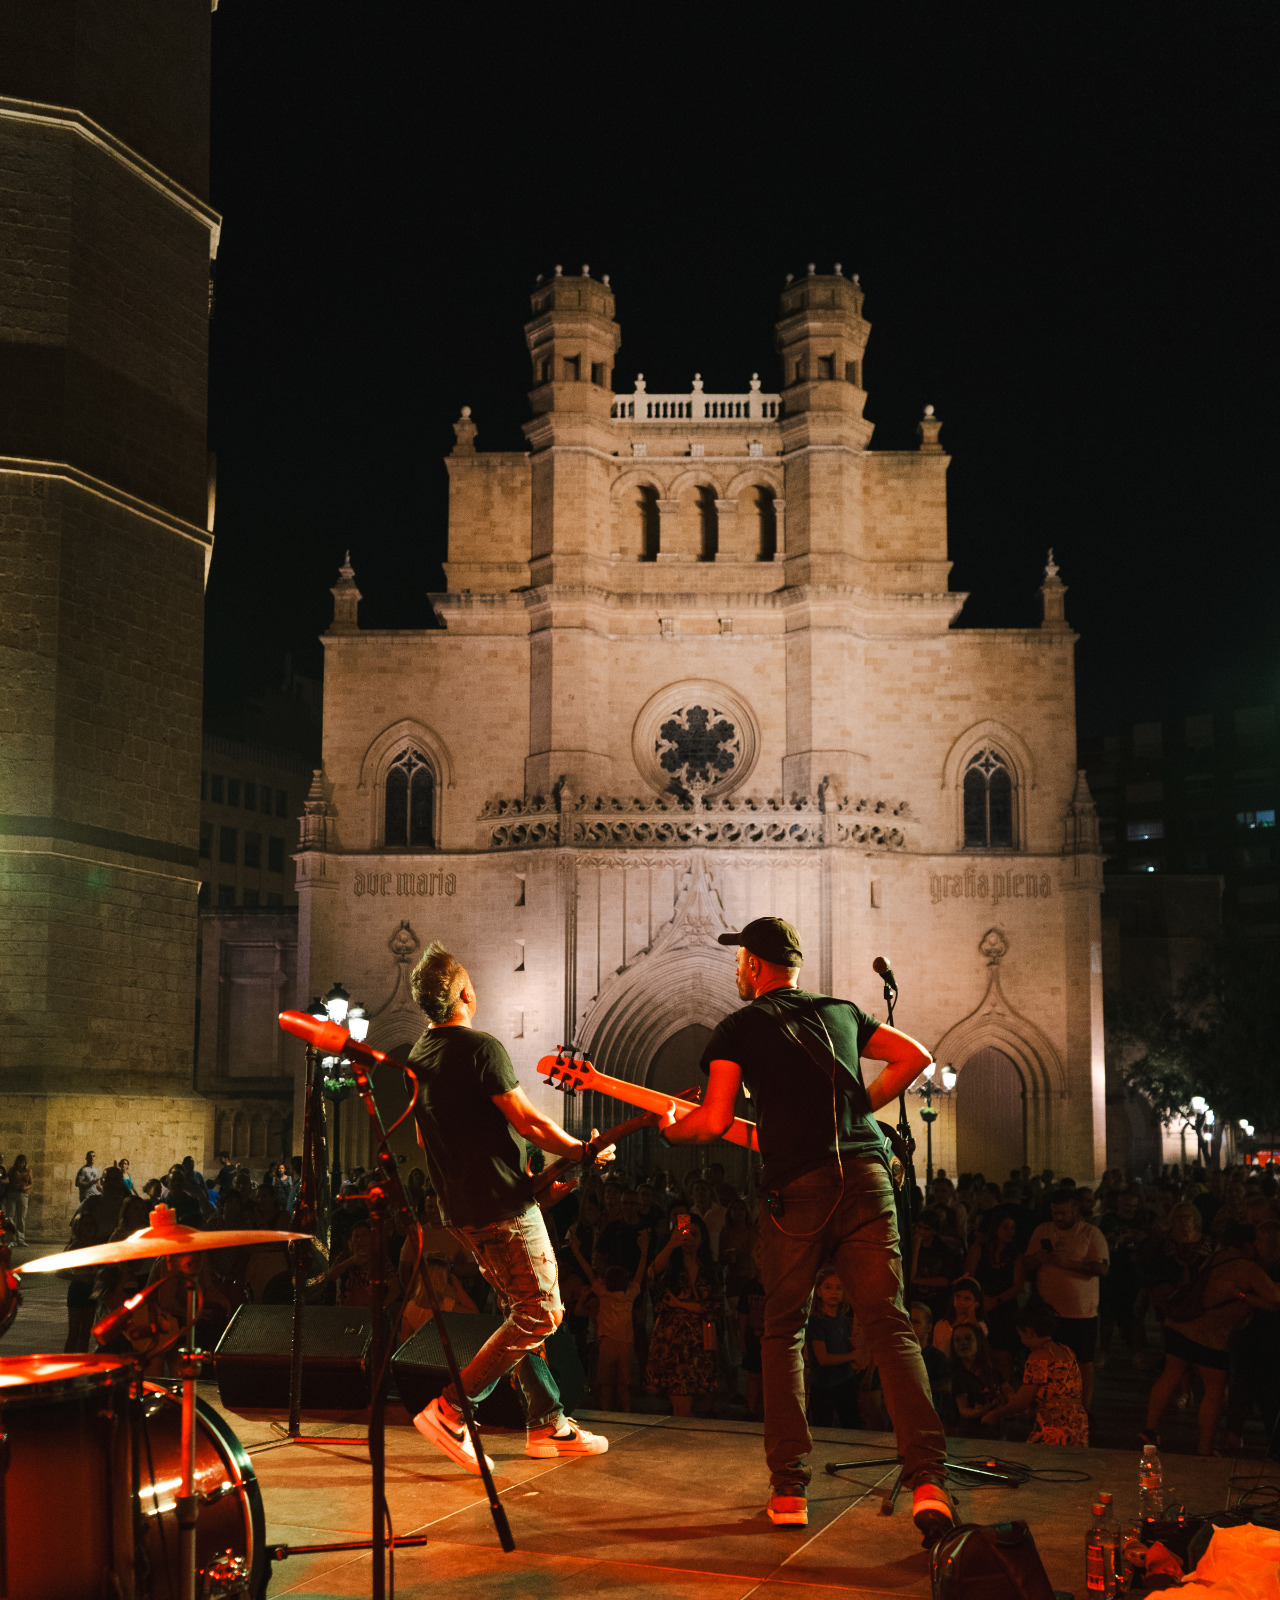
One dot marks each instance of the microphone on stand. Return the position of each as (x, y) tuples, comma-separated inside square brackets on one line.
[(882, 969)]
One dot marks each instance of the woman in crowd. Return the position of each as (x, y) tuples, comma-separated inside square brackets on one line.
[(996, 1263), (1179, 1258), (126, 1174), (1050, 1382), (18, 1197), (1199, 1322), (687, 1307)]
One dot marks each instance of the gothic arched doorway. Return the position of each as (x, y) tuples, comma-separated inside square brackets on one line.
[(991, 1124)]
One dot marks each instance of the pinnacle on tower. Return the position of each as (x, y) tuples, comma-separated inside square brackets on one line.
[(927, 430), (1053, 594), (465, 432), (346, 600)]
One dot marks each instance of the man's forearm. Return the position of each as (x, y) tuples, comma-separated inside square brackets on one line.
[(551, 1138), (694, 1128)]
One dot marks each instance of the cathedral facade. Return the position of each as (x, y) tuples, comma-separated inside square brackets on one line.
[(700, 663)]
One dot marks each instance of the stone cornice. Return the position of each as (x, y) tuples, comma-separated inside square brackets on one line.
[(76, 122), (21, 466)]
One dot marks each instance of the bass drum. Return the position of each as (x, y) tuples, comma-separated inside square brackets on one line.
[(68, 1522), (231, 1536)]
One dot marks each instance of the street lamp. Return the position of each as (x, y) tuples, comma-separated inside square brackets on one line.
[(928, 1114), (337, 1006)]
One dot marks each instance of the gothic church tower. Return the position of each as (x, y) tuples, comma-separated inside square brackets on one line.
[(105, 539)]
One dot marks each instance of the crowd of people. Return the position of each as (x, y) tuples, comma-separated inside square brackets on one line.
[(1017, 1291)]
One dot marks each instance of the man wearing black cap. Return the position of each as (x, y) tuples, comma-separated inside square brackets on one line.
[(829, 1197)]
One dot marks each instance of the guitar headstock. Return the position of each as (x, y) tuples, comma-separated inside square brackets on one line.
[(568, 1070)]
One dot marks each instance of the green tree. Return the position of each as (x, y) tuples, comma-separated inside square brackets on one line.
[(1218, 1037)]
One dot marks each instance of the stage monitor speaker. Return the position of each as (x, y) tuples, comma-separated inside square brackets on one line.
[(253, 1358), (420, 1371)]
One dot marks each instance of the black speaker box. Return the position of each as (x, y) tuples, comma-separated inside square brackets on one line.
[(420, 1371), (253, 1358)]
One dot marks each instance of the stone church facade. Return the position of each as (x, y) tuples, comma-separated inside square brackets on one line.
[(699, 663)]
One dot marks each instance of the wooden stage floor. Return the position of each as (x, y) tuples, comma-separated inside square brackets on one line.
[(675, 1510)]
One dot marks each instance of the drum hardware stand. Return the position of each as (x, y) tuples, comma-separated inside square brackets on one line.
[(387, 1192), (889, 1500)]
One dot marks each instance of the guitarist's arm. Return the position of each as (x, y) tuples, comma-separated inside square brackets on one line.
[(905, 1060), (714, 1116), (542, 1131)]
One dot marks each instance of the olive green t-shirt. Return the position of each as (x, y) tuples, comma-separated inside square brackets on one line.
[(475, 1157), (797, 1124)]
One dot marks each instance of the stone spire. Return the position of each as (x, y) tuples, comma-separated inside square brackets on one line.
[(465, 431), (927, 430), (1053, 594), (346, 600)]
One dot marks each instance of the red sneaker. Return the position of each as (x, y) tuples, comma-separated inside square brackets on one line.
[(933, 1512), (788, 1510)]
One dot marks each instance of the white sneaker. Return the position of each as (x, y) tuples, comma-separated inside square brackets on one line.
[(449, 1435), (571, 1439)]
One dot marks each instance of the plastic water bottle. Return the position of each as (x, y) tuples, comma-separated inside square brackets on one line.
[(1150, 1486), (1100, 1556)]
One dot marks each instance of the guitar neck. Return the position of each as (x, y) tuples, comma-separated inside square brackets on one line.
[(636, 1094), (602, 1141)]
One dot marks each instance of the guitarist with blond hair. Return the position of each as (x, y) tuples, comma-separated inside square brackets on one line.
[(472, 1117)]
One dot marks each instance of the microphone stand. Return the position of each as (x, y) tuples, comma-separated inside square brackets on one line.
[(386, 1193), (979, 1474)]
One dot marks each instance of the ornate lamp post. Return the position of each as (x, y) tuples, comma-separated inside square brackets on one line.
[(928, 1113), (337, 1006)]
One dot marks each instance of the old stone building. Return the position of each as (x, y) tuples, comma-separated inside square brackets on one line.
[(105, 540), (700, 663)]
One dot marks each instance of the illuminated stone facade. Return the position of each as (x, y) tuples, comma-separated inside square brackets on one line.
[(104, 546), (699, 663)]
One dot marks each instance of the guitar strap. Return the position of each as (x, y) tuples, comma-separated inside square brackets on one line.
[(829, 1069)]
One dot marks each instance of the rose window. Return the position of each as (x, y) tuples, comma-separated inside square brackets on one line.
[(698, 744)]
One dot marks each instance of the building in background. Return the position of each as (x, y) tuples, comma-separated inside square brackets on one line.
[(250, 802), (1195, 794), (1187, 822), (105, 540), (700, 663)]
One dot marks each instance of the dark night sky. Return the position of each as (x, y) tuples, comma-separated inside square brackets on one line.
[(1061, 216)]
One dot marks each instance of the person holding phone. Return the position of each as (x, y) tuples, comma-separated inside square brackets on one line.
[(1068, 1257)]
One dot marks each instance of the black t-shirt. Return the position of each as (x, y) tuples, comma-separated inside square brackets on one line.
[(791, 1092), (475, 1157)]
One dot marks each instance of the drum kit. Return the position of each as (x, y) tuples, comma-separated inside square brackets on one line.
[(112, 1486)]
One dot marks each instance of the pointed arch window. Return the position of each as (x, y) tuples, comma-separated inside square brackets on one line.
[(988, 803), (410, 798)]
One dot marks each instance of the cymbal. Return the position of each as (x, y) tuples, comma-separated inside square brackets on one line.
[(165, 1236)]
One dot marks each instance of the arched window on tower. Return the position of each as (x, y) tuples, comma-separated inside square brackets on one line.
[(760, 524), (988, 803), (708, 525), (409, 816)]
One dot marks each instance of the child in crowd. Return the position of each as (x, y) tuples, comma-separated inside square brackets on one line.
[(976, 1384), (935, 1363), (615, 1294), (963, 1309), (837, 1366), (1050, 1383)]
